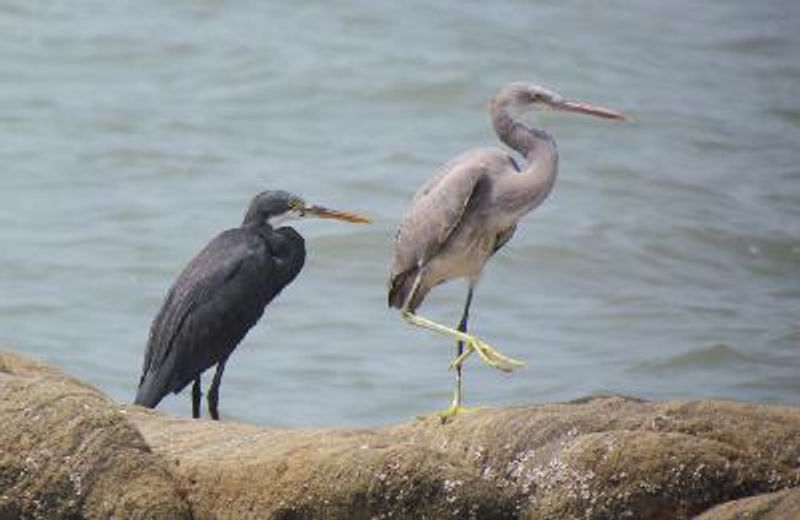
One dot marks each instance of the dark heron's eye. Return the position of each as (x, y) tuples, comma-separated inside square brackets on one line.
[(299, 206)]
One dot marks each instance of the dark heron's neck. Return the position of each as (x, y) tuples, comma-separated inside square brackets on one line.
[(254, 217), (257, 226), (274, 235)]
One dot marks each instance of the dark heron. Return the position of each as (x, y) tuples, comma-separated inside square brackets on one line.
[(221, 294), (470, 208)]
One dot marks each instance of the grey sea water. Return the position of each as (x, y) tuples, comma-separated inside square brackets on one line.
[(665, 264)]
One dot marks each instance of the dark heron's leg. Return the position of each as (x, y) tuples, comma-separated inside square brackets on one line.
[(196, 395), (213, 392), (488, 354)]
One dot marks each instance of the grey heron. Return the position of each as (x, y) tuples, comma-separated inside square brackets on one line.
[(470, 208), (221, 294)]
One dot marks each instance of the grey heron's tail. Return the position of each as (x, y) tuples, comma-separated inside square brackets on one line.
[(400, 287)]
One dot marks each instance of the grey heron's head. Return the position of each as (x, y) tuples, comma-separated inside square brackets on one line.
[(277, 207), (521, 97)]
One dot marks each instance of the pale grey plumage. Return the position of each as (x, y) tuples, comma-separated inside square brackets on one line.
[(470, 208)]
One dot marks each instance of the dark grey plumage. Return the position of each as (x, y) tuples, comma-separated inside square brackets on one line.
[(217, 298), (221, 294)]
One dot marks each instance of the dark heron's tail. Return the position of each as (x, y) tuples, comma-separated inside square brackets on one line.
[(150, 392)]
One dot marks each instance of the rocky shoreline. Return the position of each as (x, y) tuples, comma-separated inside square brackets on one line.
[(70, 451)]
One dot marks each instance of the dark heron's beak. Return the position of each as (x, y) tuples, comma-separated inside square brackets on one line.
[(589, 109), (321, 212)]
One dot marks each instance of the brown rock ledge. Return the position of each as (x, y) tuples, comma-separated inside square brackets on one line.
[(781, 505), (69, 451)]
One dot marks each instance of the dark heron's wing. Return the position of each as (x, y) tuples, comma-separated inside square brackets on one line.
[(216, 299)]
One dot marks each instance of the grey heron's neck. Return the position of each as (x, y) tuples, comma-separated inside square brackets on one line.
[(524, 192), (525, 140)]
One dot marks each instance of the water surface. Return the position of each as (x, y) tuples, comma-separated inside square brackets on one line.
[(665, 264)]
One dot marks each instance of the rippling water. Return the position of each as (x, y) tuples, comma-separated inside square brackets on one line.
[(665, 264)]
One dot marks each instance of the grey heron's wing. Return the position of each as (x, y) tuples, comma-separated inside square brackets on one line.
[(217, 297), (435, 211)]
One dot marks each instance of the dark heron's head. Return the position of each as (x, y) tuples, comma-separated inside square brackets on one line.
[(276, 207), (521, 97)]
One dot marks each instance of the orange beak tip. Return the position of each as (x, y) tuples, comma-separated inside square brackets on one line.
[(361, 219), (346, 216)]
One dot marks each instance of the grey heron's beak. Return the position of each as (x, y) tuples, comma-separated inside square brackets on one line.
[(589, 109), (321, 212)]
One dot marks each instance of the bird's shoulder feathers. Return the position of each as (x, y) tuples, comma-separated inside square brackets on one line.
[(439, 205)]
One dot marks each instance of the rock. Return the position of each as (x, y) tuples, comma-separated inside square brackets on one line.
[(602, 457), (67, 451), (781, 505)]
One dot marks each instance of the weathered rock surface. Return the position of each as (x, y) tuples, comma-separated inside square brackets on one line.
[(67, 451), (604, 457), (781, 505)]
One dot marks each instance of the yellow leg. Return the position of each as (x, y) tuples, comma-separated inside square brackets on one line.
[(488, 354)]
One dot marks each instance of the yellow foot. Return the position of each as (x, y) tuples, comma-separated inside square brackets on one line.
[(453, 410), (450, 412), (488, 354)]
